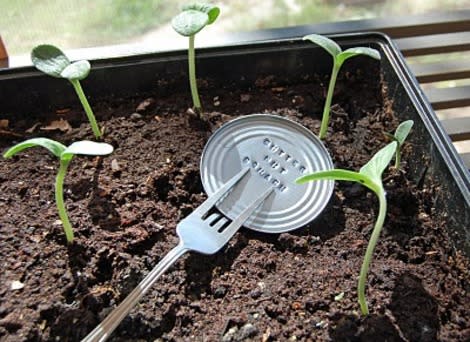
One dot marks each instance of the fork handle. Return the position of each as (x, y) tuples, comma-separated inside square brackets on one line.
[(105, 328)]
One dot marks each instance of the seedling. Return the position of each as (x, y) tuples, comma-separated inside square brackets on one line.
[(190, 21), (339, 57), (370, 175), (53, 62), (65, 155), (401, 133)]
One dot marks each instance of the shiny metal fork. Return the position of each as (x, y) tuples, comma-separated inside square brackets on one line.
[(198, 232)]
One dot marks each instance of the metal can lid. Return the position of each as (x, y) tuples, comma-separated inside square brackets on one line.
[(277, 151)]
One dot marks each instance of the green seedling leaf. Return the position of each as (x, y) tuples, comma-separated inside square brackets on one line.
[(78, 70), (53, 62), (334, 174), (89, 148), (340, 175), (65, 155), (356, 51), (211, 10), (376, 166), (54, 147), (189, 22), (370, 175), (49, 59), (326, 43), (402, 131), (194, 18)]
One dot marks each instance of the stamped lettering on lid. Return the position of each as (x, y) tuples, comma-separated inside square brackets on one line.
[(276, 163)]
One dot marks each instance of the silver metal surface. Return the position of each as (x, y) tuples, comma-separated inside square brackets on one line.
[(277, 151), (200, 232)]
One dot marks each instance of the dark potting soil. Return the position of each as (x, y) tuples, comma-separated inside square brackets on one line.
[(293, 286)]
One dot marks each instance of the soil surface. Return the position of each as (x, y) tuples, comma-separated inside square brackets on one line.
[(293, 286)]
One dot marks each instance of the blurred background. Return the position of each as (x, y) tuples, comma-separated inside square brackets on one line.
[(72, 24)]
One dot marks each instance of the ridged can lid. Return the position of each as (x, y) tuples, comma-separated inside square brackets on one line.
[(277, 151)]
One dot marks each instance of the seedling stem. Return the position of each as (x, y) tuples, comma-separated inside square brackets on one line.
[(59, 198), (361, 286), (329, 98), (192, 76), (86, 106)]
